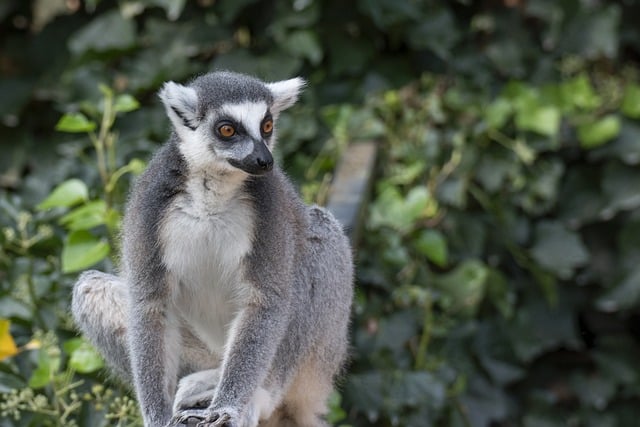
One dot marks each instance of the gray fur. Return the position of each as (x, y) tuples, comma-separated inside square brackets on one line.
[(233, 293)]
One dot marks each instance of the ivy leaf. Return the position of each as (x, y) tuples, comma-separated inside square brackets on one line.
[(81, 250), (558, 250), (69, 193), (542, 119), (631, 101), (464, 286), (75, 123), (595, 134), (109, 31), (433, 245)]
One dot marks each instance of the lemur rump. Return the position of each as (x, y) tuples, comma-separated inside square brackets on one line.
[(232, 307)]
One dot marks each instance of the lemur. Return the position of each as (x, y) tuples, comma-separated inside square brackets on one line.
[(232, 304)]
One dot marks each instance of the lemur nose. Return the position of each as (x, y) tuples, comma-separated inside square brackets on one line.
[(265, 164)]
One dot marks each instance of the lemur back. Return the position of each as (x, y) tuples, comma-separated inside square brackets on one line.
[(235, 296)]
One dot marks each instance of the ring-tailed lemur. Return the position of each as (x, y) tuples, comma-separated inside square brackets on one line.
[(233, 303)]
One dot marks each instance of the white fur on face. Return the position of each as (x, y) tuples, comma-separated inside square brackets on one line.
[(249, 114)]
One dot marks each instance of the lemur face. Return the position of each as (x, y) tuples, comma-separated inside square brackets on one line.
[(242, 134), (227, 120)]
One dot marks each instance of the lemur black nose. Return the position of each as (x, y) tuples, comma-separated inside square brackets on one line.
[(265, 164)]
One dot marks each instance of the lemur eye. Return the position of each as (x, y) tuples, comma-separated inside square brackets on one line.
[(227, 131), (267, 126)]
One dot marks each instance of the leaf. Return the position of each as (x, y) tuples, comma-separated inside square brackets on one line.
[(595, 134), (623, 296), (631, 101), (433, 245), (85, 217), (392, 210), (8, 346), (464, 286), (498, 113), (69, 193), (558, 250), (84, 357), (75, 123), (542, 119), (125, 103), (48, 366), (81, 250), (304, 44), (579, 92), (109, 31)]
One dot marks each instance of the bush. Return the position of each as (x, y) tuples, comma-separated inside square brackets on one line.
[(497, 281)]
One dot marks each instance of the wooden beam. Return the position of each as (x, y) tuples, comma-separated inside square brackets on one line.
[(351, 186)]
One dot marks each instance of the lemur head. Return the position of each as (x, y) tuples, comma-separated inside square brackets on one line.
[(227, 120)]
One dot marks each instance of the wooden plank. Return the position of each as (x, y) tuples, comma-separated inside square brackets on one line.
[(351, 186)]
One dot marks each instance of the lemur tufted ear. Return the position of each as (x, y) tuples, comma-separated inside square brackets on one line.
[(181, 103), (285, 93)]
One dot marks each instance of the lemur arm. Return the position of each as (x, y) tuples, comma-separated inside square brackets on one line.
[(155, 349)]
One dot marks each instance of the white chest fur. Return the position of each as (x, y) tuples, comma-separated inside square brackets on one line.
[(205, 236)]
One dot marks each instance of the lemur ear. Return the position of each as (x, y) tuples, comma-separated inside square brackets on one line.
[(181, 103), (285, 93)]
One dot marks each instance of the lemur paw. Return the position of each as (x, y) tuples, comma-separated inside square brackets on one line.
[(220, 418), (188, 417)]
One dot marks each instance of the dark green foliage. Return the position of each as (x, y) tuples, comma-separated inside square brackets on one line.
[(498, 278)]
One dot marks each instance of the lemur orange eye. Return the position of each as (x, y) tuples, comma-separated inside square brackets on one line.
[(227, 131), (267, 126)]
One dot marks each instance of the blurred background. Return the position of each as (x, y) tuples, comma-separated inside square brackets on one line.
[(498, 272)]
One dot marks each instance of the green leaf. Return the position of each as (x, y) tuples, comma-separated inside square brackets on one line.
[(623, 296), (84, 357), (85, 217), (48, 366), (75, 123), (125, 103), (558, 250), (498, 113), (109, 31), (579, 93), (304, 44), (542, 119), (81, 250), (433, 245), (631, 101), (599, 132), (464, 286), (392, 210), (69, 193)]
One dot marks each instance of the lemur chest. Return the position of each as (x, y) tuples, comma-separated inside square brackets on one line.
[(204, 243)]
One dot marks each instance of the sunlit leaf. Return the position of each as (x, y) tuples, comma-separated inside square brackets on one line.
[(596, 133), (67, 194), (433, 245), (84, 357), (81, 250), (125, 103), (74, 123), (86, 216), (631, 101)]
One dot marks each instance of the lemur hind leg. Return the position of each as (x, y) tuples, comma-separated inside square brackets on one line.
[(100, 308)]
